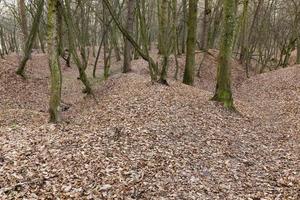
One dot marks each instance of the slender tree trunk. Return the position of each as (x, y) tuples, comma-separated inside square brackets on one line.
[(2, 42), (3, 45), (115, 44), (288, 51), (184, 23), (205, 26), (98, 53), (15, 40), (252, 35), (56, 78), (244, 38), (223, 88), (23, 23), (215, 24), (71, 39), (107, 48), (165, 42), (152, 65), (298, 51), (160, 25), (137, 35), (31, 39), (41, 39), (189, 71), (129, 28), (175, 37), (144, 36), (297, 32)]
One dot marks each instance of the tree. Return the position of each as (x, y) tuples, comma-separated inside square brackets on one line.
[(205, 27), (129, 28), (107, 48), (164, 39), (297, 28), (53, 56), (223, 88), (243, 36), (2, 42), (152, 65), (183, 26), (189, 71), (81, 65), (298, 50), (30, 39), (23, 22)]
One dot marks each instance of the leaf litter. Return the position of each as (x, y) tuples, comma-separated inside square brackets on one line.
[(137, 140)]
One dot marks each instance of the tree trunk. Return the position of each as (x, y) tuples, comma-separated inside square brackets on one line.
[(189, 71), (184, 23), (115, 43), (244, 38), (23, 23), (106, 47), (215, 24), (252, 35), (129, 28), (56, 78), (98, 53), (72, 49), (152, 65), (31, 39), (223, 88), (2, 42), (175, 37), (164, 40), (3, 45), (298, 51), (205, 26), (41, 39)]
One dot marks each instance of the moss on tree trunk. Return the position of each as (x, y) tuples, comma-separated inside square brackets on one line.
[(31, 39), (53, 53), (223, 88), (127, 45), (189, 71)]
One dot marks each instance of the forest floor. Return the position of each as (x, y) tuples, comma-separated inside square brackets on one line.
[(135, 140)]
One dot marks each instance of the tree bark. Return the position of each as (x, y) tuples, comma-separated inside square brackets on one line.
[(3, 45), (129, 28), (184, 23), (164, 40), (72, 49), (56, 77), (189, 71), (23, 22), (205, 26), (298, 51), (30, 39), (145, 56), (243, 36), (223, 88)]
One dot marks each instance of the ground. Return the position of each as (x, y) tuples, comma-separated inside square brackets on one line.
[(136, 140)]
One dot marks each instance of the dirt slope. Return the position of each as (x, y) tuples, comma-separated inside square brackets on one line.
[(32, 93), (19, 93), (208, 71), (276, 95), (293, 58), (135, 140)]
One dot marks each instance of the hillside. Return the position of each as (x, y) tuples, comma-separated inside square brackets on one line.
[(276, 95), (137, 140)]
